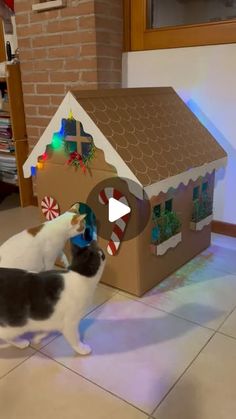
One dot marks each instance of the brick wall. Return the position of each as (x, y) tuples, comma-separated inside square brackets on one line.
[(77, 46)]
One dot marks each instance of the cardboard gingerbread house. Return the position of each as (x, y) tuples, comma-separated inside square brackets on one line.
[(147, 135)]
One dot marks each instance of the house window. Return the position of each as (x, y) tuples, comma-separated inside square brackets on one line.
[(160, 24), (195, 193), (85, 149), (189, 12), (157, 211), (168, 205), (71, 146), (69, 127), (204, 187)]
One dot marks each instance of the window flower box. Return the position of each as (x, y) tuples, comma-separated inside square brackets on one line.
[(199, 225), (166, 232), (202, 210), (161, 249)]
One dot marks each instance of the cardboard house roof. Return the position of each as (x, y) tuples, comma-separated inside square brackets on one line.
[(148, 134)]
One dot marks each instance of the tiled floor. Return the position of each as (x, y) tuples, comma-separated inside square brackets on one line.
[(170, 354)]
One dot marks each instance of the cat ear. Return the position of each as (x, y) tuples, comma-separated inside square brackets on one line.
[(75, 208), (76, 219)]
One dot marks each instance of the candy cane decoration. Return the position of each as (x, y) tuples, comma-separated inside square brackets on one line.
[(50, 208), (121, 223)]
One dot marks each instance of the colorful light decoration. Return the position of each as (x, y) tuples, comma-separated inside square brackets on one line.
[(57, 140), (57, 143), (58, 137), (39, 165), (70, 115), (33, 171)]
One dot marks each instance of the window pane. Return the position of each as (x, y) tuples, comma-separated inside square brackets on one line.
[(157, 211), (195, 193), (168, 205), (204, 187), (71, 146), (85, 147), (188, 12)]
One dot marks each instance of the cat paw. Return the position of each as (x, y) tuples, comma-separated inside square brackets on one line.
[(37, 339), (83, 349), (22, 343)]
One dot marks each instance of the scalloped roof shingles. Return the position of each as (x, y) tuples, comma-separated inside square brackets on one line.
[(152, 129)]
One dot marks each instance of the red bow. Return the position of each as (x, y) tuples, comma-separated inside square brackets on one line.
[(74, 156)]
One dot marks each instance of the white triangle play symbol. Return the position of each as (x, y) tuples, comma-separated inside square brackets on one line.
[(117, 209)]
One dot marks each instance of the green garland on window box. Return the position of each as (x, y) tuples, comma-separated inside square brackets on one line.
[(202, 208), (89, 158), (166, 225)]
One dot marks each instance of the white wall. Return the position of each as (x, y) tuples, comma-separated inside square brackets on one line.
[(205, 78)]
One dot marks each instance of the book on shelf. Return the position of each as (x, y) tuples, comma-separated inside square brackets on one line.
[(8, 178), (6, 132), (8, 170), (5, 122), (7, 145), (7, 161)]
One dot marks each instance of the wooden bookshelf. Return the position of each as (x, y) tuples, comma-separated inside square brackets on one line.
[(17, 116)]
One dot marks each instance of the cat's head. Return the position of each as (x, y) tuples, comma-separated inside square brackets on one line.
[(76, 224), (89, 260)]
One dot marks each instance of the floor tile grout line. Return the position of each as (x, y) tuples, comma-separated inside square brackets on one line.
[(171, 314), (99, 305), (18, 365), (217, 331), (183, 373), (225, 319), (94, 383), (48, 343), (51, 340), (225, 335), (60, 334)]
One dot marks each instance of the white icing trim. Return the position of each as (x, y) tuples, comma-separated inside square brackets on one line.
[(110, 154), (201, 224), (162, 248), (185, 177), (101, 142), (46, 138)]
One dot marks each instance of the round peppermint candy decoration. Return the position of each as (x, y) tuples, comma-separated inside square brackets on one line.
[(50, 208)]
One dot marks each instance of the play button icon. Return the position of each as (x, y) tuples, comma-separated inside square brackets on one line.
[(117, 209)]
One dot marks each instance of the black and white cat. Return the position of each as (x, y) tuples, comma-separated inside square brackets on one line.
[(51, 300)]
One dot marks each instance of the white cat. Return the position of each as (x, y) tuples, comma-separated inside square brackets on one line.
[(37, 248), (52, 300)]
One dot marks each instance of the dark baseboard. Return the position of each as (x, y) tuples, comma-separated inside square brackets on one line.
[(221, 227)]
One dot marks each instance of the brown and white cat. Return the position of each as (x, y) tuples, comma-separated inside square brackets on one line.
[(51, 300), (37, 248)]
